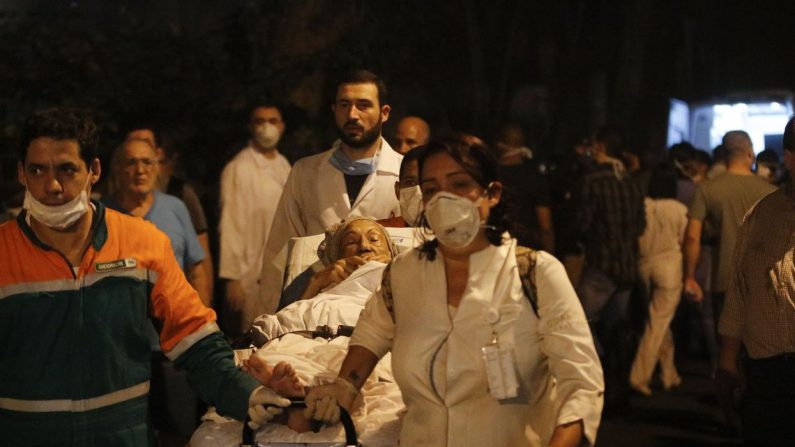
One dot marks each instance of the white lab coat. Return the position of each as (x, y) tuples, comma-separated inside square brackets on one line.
[(314, 198), (559, 372), (251, 185)]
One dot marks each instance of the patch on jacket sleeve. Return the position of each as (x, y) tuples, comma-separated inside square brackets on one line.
[(127, 263)]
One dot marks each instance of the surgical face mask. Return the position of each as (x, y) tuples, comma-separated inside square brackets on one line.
[(455, 220), (410, 204), (354, 167), (266, 135), (58, 217)]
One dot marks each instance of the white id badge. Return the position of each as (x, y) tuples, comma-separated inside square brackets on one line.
[(500, 371)]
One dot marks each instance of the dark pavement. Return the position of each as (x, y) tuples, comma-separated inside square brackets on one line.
[(683, 417)]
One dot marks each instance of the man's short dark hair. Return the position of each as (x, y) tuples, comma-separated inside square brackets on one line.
[(700, 156), (662, 181), (263, 104), (612, 138), (789, 135), (410, 156), (682, 153), (719, 154), (62, 123), (365, 77)]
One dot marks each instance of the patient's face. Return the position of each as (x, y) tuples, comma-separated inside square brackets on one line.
[(366, 239)]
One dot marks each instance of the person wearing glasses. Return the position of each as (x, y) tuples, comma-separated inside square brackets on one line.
[(133, 190)]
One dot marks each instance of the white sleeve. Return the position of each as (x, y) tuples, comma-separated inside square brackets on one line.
[(568, 344), (287, 223), (235, 217), (375, 330)]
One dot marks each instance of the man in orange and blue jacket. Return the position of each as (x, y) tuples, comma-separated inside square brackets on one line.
[(79, 284)]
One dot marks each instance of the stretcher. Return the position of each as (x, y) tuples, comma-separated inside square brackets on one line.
[(379, 420), (351, 440), (376, 424)]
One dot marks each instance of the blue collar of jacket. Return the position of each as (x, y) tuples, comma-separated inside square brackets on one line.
[(99, 229)]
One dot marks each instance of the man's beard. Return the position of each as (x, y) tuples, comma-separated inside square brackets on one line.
[(365, 140)]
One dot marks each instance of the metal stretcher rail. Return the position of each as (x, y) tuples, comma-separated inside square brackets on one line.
[(351, 439)]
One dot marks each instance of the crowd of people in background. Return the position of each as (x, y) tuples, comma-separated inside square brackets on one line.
[(659, 256)]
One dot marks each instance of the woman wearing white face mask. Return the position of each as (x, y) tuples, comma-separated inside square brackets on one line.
[(475, 363)]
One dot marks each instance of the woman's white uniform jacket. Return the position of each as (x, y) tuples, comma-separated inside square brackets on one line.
[(438, 363), (314, 198)]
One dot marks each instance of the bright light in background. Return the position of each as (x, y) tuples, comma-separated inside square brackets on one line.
[(762, 115), (758, 119)]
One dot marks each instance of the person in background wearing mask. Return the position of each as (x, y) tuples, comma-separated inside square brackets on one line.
[(407, 190), (251, 185), (355, 177), (453, 313), (412, 131), (80, 285)]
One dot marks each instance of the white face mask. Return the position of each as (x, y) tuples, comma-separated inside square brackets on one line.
[(58, 217), (455, 220), (266, 135), (410, 204)]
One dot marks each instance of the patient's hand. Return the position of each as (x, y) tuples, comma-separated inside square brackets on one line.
[(333, 274)]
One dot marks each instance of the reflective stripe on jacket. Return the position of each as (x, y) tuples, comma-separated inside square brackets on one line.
[(74, 352)]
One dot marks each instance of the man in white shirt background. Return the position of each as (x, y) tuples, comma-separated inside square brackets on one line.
[(251, 184), (356, 176)]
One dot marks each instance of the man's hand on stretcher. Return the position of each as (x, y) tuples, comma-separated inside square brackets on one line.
[(337, 272), (323, 402), (263, 405), (281, 380)]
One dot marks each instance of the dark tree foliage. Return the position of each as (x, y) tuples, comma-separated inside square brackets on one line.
[(558, 68)]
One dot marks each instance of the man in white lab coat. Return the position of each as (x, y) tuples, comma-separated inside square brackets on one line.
[(355, 177), (251, 184)]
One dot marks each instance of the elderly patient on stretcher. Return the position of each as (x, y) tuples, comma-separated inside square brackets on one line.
[(354, 254)]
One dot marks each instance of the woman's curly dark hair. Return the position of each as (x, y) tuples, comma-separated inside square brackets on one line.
[(478, 161)]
